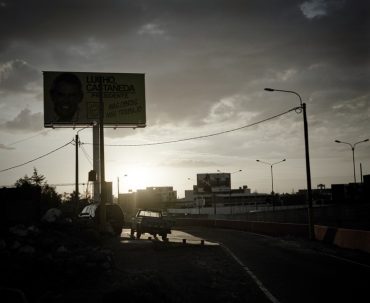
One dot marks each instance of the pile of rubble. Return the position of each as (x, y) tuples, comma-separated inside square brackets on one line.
[(51, 256)]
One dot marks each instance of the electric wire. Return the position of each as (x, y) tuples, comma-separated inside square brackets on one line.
[(53, 151), (204, 136), (87, 156), (43, 132), (157, 143)]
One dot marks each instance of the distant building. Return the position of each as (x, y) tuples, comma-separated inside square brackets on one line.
[(352, 192), (213, 195), (151, 197)]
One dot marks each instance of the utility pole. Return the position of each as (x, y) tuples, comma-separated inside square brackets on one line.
[(103, 195), (76, 185), (117, 190), (311, 228)]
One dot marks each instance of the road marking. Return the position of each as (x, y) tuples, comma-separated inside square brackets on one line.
[(262, 287)]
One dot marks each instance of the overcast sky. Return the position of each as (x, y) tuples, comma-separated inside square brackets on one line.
[(206, 64)]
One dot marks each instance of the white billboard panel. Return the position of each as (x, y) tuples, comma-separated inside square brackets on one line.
[(72, 99), (214, 182)]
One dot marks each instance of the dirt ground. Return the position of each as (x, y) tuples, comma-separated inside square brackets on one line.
[(63, 264), (173, 272)]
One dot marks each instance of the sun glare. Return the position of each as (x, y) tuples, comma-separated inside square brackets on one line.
[(138, 177)]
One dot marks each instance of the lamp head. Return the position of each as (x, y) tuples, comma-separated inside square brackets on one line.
[(284, 159), (337, 141), (366, 140), (269, 89)]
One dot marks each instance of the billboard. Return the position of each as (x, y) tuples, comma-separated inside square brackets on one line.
[(72, 99), (216, 182)]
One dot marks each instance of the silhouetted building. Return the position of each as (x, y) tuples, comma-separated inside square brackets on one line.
[(151, 197), (352, 192)]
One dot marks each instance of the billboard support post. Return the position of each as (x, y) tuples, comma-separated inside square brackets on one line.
[(76, 185), (96, 162), (75, 99), (101, 156)]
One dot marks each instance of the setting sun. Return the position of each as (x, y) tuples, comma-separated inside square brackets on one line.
[(137, 176)]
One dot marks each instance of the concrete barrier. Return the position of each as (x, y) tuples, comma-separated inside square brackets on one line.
[(341, 237)]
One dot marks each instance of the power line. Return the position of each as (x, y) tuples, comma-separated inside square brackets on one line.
[(163, 142), (204, 136), (67, 184), (37, 157), (43, 132), (87, 156)]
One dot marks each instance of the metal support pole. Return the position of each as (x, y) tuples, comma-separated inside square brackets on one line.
[(308, 173), (96, 162), (311, 229), (103, 196), (117, 190), (272, 190), (353, 154), (354, 165), (76, 185), (272, 181)]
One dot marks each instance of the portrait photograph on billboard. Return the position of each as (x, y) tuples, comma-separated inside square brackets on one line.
[(72, 99), (217, 182)]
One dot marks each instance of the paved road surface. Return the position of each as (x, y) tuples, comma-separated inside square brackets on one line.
[(176, 236), (295, 271)]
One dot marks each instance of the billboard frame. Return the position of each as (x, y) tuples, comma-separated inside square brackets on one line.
[(71, 99)]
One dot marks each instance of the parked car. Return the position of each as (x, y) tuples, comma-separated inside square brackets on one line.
[(114, 215), (152, 222)]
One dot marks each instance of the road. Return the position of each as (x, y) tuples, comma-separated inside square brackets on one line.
[(288, 270)]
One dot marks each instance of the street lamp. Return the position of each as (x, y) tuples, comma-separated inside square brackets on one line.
[(353, 154), (311, 230), (234, 172), (272, 179), (237, 171)]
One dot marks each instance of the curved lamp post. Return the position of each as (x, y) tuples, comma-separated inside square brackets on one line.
[(311, 230), (234, 172), (272, 176), (272, 179), (237, 171), (353, 154)]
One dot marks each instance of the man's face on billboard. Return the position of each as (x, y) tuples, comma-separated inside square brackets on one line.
[(66, 97)]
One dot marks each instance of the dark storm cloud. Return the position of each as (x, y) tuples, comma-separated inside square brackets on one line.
[(16, 75), (196, 53), (25, 121), (44, 20)]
